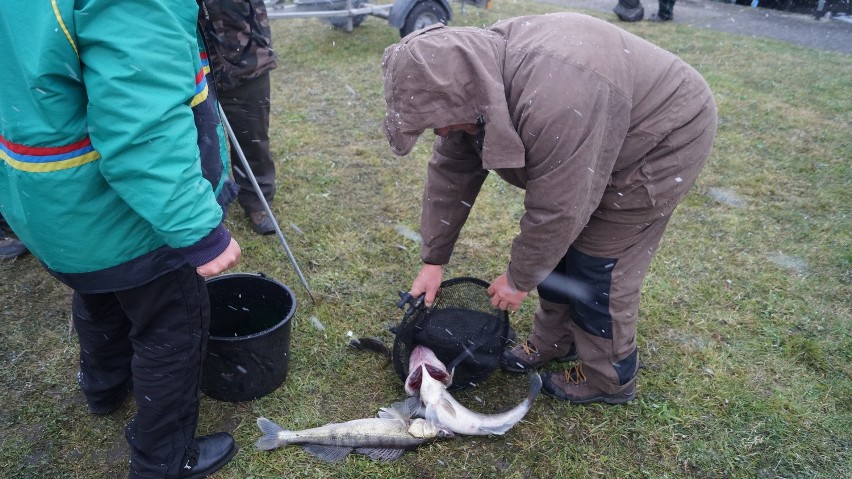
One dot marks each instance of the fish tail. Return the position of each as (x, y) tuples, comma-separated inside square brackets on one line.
[(271, 435), (535, 386), (501, 423)]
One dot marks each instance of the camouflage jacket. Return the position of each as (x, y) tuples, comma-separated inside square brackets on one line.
[(239, 41)]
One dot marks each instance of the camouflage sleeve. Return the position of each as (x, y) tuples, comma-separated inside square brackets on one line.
[(239, 40)]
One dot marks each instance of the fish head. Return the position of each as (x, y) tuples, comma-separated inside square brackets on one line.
[(424, 429), (424, 358), (431, 389)]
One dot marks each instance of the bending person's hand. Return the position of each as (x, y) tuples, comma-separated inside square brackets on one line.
[(504, 296), (428, 281), (221, 263)]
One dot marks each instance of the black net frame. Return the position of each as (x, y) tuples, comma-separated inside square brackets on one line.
[(461, 319)]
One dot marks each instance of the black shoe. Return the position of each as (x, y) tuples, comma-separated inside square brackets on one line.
[(10, 248), (261, 223), (214, 451)]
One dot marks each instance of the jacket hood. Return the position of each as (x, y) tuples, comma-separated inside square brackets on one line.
[(441, 76)]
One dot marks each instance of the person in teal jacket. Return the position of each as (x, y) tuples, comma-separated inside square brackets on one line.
[(110, 169)]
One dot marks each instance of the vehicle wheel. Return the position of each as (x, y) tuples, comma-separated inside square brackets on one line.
[(340, 23), (422, 15)]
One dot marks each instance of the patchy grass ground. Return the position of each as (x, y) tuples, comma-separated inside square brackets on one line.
[(746, 312)]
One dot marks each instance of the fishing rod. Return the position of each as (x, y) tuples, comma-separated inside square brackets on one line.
[(251, 177)]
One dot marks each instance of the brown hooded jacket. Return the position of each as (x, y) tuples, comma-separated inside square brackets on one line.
[(570, 107)]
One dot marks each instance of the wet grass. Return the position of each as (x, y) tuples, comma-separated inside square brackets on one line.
[(746, 312)]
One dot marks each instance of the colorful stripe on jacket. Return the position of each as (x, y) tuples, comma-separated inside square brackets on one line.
[(201, 82), (42, 159)]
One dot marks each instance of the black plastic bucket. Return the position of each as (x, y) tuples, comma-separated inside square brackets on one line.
[(249, 346)]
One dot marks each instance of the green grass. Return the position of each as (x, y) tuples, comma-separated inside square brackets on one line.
[(745, 328)]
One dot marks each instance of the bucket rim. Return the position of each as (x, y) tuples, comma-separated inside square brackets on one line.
[(268, 330)]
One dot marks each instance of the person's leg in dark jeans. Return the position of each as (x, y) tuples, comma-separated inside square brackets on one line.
[(105, 350), (247, 109), (666, 10)]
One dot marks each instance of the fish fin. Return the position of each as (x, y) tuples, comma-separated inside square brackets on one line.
[(535, 386), (270, 432), (380, 454), (403, 410), (447, 406), (412, 407), (431, 413), (497, 431), (395, 411), (327, 453)]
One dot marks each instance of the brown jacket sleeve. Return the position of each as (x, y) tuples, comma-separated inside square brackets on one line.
[(454, 178)]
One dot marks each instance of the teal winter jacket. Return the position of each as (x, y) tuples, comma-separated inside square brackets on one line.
[(109, 139)]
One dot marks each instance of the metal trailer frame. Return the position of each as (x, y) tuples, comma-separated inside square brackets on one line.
[(405, 15)]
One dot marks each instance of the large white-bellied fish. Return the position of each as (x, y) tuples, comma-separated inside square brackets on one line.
[(442, 408), (383, 438)]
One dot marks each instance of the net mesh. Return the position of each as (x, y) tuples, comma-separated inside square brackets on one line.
[(461, 318)]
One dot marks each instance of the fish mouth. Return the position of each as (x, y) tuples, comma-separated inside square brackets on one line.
[(425, 357), (415, 377)]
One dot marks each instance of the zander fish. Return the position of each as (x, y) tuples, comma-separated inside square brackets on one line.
[(384, 438), (443, 409)]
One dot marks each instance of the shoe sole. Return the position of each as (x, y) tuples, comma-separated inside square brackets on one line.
[(547, 385), (603, 399), (262, 231)]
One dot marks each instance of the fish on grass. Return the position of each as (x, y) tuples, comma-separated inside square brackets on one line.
[(371, 344), (441, 408), (383, 438)]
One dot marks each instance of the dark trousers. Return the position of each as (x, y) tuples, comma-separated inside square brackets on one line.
[(247, 110), (153, 337), (666, 9)]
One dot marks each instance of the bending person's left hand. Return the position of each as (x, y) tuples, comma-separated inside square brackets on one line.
[(504, 296)]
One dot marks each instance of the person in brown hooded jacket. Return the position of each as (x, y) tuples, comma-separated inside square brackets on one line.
[(604, 131)]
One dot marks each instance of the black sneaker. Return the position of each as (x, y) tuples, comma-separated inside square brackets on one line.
[(525, 357)]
